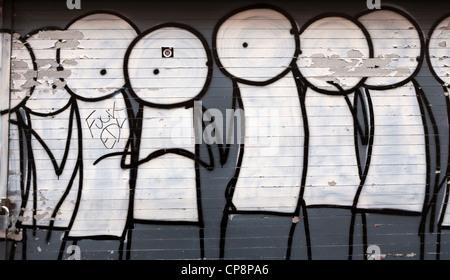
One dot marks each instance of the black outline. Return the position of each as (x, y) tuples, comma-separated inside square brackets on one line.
[(229, 208), (80, 163), (108, 12), (137, 132), (209, 64), (425, 111), (23, 40), (369, 43), (256, 6), (439, 186), (421, 39), (360, 135)]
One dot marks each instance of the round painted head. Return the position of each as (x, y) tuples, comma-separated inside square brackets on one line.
[(23, 72), (397, 46), (168, 65), (334, 47), (92, 52), (49, 95), (256, 45)]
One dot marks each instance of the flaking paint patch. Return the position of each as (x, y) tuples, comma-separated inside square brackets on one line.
[(71, 62), (46, 63), (355, 54), (52, 73), (67, 44), (41, 216), (19, 65), (29, 84), (360, 67)]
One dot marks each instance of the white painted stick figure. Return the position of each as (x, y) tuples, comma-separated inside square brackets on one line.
[(94, 57), (256, 47), (23, 79), (438, 58), (396, 177), (333, 46), (53, 144)]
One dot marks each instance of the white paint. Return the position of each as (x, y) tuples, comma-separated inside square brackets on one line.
[(256, 46), (105, 40), (332, 177), (21, 71), (439, 50), (270, 45), (54, 132), (439, 54), (177, 79), (46, 99), (333, 49), (166, 187), (395, 39), (272, 165), (332, 162), (397, 174), (104, 199), (51, 187)]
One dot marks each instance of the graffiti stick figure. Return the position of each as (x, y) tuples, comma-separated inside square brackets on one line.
[(168, 68), (333, 48), (396, 179), (94, 58)]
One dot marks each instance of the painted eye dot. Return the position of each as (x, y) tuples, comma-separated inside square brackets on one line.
[(54, 86), (245, 45), (156, 71), (103, 72)]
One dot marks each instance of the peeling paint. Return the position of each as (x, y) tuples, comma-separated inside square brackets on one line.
[(60, 35), (68, 45), (369, 67), (53, 74)]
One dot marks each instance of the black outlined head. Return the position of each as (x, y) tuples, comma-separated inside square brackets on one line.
[(334, 47), (49, 95), (256, 44), (23, 70), (398, 47), (169, 65), (438, 50), (94, 53)]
